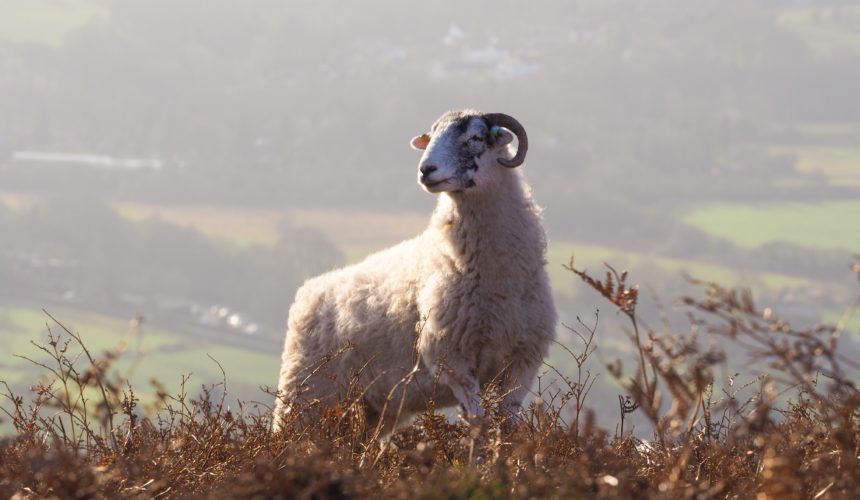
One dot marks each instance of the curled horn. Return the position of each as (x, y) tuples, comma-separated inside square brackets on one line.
[(511, 123)]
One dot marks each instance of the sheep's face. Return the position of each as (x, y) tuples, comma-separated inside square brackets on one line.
[(460, 153)]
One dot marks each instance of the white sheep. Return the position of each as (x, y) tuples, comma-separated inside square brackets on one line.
[(466, 302)]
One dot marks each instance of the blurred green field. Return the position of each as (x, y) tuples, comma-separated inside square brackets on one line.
[(243, 227), (46, 21), (245, 369), (835, 317), (830, 225), (21, 324), (841, 166), (240, 228), (592, 257), (165, 356), (826, 29)]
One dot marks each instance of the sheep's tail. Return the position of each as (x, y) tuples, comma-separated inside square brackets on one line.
[(282, 410), (282, 407)]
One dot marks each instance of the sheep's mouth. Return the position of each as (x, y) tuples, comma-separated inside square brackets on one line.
[(434, 184)]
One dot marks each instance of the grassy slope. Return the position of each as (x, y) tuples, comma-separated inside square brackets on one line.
[(166, 355), (21, 324), (831, 225), (244, 368), (840, 165), (251, 226), (240, 228), (46, 21), (591, 257), (825, 30), (835, 317)]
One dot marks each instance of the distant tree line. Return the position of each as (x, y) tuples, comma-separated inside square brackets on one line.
[(262, 103)]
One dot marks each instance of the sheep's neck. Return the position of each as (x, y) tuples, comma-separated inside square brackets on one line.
[(493, 235)]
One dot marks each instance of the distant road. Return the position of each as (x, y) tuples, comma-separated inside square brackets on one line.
[(166, 321), (266, 345)]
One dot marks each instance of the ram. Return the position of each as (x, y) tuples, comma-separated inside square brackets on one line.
[(443, 314)]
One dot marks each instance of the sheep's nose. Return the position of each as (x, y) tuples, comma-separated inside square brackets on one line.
[(427, 169)]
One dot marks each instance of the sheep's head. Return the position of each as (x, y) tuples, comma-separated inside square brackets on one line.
[(467, 150)]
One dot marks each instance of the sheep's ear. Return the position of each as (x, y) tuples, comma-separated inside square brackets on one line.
[(500, 136), (421, 141)]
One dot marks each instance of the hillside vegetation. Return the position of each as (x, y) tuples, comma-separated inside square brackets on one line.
[(793, 430)]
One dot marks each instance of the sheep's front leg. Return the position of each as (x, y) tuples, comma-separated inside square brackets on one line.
[(466, 388), (512, 405), (513, 401)]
